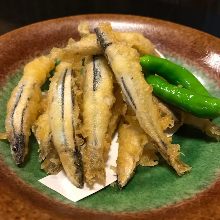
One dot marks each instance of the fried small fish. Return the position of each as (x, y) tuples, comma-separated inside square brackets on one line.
[(24, 106), (132, 140), (48, 156), (64, 113), (98, 99), (124, 62), (205, 125)]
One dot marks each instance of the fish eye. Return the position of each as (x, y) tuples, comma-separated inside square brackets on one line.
[(14, 148)]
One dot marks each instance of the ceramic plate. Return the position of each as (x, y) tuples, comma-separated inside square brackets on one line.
[(153, 193)]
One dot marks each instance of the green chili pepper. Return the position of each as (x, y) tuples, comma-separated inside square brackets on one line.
[(173, 73), (189, 101)]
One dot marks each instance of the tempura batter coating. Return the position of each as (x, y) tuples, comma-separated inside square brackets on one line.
[(149, 156), (24, 106), (48, 156), (119, 109), (97, 103), (64, 113), (131, 144), (88, 46)]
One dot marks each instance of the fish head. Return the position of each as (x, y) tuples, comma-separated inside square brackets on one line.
[(18, 148)]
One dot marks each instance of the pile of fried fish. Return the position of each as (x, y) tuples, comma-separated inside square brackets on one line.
[(96, 89)]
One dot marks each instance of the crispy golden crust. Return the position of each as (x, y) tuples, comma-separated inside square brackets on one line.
[(97, 103), (88, 46), (119, 109), (48, 156), (24, 105), (149, 156), (64, 119), (131, 144), (137, 41), (83, 29)]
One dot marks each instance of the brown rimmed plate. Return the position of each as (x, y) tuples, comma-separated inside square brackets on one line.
[(153, 193)]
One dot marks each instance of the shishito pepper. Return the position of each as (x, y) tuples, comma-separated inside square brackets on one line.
[(173, 73), (189, 101)]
